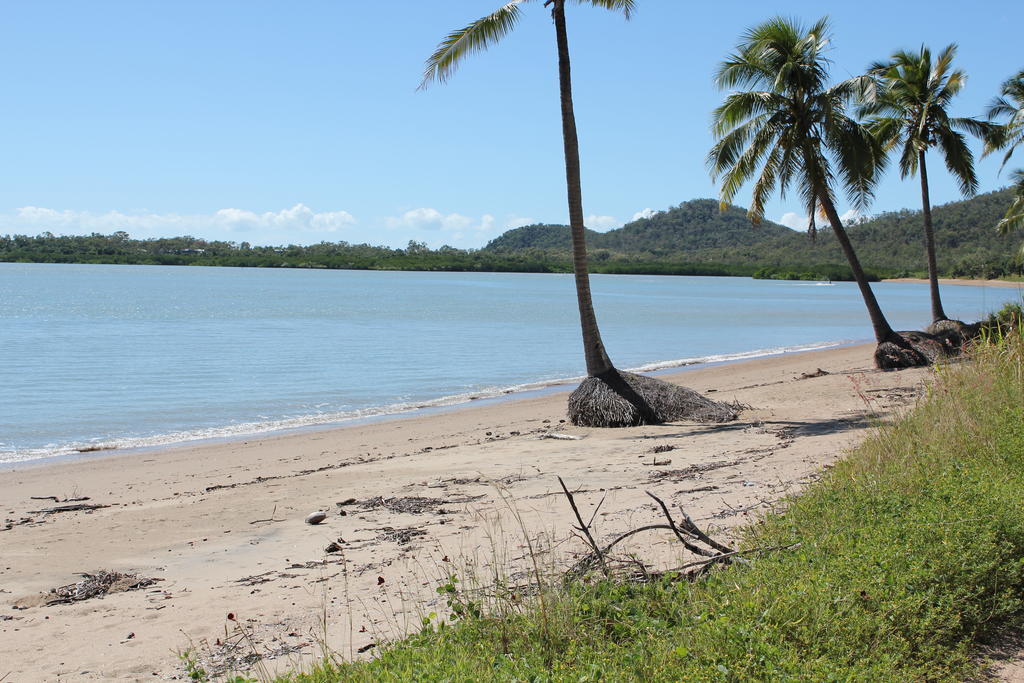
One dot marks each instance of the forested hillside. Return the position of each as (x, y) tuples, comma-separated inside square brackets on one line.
[(889, 244)]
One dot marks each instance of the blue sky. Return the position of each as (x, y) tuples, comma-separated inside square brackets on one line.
[(275, 123)]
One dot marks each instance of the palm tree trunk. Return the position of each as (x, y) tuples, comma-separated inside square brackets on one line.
[(883, 331), (929, 243), (597, 359)]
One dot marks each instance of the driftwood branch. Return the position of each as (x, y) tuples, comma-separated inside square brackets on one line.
[(697, 550), (687, 532), (734, 553), (76, 507), (585, 528), (689, 526)]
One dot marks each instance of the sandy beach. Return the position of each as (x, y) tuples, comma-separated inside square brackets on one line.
[(409, 501), (956, 281)]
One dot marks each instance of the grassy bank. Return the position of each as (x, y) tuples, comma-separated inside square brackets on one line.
[(910, 550)]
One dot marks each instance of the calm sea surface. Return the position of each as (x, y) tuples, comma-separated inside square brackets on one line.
[(133, 356)]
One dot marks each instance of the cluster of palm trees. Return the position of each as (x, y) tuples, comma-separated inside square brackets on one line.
[(784, 126), (789, 128)]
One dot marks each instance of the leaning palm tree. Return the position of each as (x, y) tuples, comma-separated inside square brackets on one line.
[(1009, 135), (786, 127), (909, 109), (607, 397)]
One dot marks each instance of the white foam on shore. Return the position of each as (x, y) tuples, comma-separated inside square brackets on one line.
[(10, 456)]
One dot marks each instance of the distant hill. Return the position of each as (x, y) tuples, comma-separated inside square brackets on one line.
[(696, 232), (691, 227)]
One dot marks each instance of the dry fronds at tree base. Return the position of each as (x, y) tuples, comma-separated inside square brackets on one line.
[(941, 340), (889, 356), (602, 402)]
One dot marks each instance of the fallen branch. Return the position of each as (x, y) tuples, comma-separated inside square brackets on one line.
[(697, 550), (688, 533), (689, 525), (272, 517), (68, 508), (734, 553), (585, 528)]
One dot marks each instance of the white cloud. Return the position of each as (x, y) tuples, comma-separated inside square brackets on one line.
[(285, 224), (793, 220), (602, 222), (453, 228), (799, 222), (429, 219), (518, 222), (852, 217), (644, 213), (486, 223)]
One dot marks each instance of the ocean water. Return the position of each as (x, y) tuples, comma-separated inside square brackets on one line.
[(95, 356)]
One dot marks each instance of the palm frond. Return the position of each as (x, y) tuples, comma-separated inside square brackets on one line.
[(1014, 218), (463, 42), (860, 158), (1009, 105), (626, 7), (959, 159)]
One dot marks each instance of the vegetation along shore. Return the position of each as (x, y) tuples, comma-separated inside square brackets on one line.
[(693, 238)]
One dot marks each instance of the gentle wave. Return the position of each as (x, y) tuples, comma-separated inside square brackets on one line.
[(244, 429)]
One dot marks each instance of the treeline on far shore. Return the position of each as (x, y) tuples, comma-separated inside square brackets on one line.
[(119, 248)]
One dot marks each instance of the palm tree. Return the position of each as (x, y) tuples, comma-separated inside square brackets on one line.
[(910, 109), (790, 128), (1009, 135), (607, 397)]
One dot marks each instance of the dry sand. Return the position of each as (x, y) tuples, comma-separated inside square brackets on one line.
[(1015, 284), (221, 524)]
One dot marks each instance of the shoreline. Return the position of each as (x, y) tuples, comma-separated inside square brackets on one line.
[(399, 411), (426, 496), (1015, 284)]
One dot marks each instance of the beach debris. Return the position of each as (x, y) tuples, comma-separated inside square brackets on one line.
[(659, 463), (55, 499), (335, 546), (97, 585), (256, 579), (693, 470), (699, 489), (366, 648), (663, 448), (455, 481), (11, 523), (272, 518), (246, 648), (710, 551), (562, 437), (415, 505), (74, 507), (402, 536), (347, 501), (93, 449), (316, 517), (818, 373)]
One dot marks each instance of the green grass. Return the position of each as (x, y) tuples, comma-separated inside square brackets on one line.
[(911, 550)]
